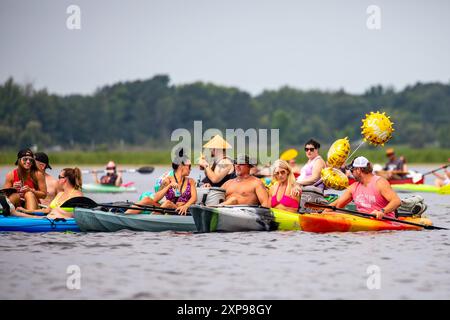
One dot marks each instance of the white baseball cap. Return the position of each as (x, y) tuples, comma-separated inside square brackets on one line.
[(360, 162)]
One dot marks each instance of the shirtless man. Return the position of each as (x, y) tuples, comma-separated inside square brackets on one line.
[(53, 188), (245, 189)]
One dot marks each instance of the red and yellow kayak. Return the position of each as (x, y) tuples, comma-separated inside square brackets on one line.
[(248, 218)]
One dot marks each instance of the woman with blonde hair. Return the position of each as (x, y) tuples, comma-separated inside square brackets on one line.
[(280, 192), (69, 180)]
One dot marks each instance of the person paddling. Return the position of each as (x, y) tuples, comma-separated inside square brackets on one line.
[(279, 193), (112, 177), (42, 163), (27, 180), (370, 193)]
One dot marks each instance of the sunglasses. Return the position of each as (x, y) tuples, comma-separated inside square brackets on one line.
[(27, 159), (110, 168), (309, 149), (280, 173), (61, 177)]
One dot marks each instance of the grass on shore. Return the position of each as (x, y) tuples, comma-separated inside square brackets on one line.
[(426, 155)]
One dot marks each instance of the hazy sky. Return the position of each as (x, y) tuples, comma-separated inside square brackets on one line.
[(251, 44)]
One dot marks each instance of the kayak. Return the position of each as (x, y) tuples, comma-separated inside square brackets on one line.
[(101, 221), (252, 218), (422, 188), (101, 188), (22, 224)]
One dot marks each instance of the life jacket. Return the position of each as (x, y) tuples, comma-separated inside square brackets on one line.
[(109, 179)]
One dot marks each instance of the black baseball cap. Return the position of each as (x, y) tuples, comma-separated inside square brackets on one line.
[(244, 159), (24, 153), (42, 157)]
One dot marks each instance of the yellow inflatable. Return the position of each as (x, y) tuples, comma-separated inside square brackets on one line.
[(338, 152), (334, 178), (377, 128)]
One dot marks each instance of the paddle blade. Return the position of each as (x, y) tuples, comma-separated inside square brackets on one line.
[(145, 170), (313, 205), (416, 177), (8, 191), (289, 154), (81, 202)]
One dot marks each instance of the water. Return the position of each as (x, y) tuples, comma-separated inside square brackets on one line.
[(253, 265)]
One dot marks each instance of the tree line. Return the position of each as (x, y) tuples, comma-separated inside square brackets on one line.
[(144, 113)]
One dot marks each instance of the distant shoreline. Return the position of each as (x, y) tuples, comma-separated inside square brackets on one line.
[(422, 157)]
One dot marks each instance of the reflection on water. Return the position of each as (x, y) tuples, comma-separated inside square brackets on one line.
[(254, 265)]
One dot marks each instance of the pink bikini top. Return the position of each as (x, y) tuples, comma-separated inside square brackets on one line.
[(285, 200)]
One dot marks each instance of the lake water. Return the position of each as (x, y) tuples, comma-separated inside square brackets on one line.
[(253, 265)]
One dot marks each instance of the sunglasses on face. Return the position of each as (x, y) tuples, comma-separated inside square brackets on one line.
[(110, 168), (27, 159), (61, 177), (309, 149), (280, 173)]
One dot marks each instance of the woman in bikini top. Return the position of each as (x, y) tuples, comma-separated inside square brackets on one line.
[(285, 180)]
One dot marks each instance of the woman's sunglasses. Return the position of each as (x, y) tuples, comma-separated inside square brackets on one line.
[(27, 159), (309, 149), (280, 173), (61, 177)]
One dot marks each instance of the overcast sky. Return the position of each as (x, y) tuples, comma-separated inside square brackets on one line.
[(251, 44)]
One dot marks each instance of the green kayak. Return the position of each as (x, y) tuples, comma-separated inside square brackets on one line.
[(100, 188), (422, 188), (101, 221)]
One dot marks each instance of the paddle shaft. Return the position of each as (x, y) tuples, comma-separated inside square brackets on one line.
[(142, 170), (372, 216), (432, 171)]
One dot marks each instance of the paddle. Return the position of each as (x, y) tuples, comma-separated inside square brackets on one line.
[(418, 177), (8, 191), (289, 154), (312, 205), (84, 202), (142, 170)]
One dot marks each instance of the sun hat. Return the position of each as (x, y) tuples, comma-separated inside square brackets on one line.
[(217, 142)]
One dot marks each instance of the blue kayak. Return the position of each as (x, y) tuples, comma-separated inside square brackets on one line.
[(37, 224)]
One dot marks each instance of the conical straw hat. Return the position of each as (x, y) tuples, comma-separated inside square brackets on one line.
[(217, 142)]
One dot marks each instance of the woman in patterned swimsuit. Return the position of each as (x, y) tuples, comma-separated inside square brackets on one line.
[(179, 190)]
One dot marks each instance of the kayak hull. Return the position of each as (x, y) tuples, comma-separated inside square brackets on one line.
[(100, 221), (264, 219), (422, 188), (99, 188), (21, 224)]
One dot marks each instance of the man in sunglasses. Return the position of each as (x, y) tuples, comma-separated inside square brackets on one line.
[(28, 181), (371, 193), (245, 189), (112, 177)]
